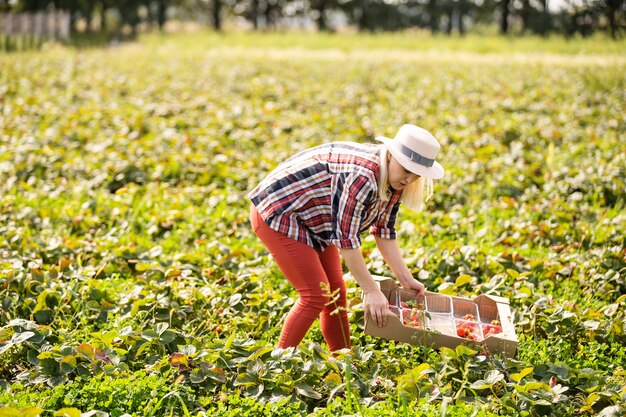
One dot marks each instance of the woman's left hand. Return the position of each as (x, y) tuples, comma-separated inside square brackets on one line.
[(413, 284)]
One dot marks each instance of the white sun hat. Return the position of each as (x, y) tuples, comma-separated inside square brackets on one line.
[(415, 149)]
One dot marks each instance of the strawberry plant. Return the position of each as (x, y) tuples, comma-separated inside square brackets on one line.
[(131, 281)]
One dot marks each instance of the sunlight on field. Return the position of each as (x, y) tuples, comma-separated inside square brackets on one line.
[(131, 281), (416, 41)]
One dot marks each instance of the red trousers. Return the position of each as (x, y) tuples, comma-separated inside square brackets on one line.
[(307, 269)]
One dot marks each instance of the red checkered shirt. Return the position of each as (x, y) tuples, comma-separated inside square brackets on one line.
[(327, 195)]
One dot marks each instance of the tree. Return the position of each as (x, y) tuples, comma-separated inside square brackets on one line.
[(319, 8), (526, 14), (612, 10), (433, 15), (216, 14), (505, 6)]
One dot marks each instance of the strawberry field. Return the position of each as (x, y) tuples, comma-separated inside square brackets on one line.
[(131, 281)]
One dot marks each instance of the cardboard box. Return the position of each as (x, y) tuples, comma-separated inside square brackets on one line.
[(489, 308)]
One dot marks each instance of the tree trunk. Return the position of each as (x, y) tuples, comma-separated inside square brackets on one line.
[(73, 22), (89, 21), (321, 19), (217, 21), (363, 18), (162, 13), (254, 12), (612, 10), (433, 20), (103, 17), (525, 15), (450, 14), (504, 23), (612, 23), (269, 19)]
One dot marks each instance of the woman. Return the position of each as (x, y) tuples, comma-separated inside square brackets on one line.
[(312, 208)]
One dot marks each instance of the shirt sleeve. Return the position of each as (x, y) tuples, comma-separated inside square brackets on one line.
[(348, 206), (385, 226)]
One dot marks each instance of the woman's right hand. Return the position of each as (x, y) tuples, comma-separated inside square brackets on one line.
[(376, 304)]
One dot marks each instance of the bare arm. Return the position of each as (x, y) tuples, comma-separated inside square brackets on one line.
[(375, 302), (391, 253)]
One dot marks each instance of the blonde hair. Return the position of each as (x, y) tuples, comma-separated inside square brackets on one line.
[(414, 195)]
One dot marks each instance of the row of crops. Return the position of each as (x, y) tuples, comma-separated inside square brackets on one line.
[(131, 281)]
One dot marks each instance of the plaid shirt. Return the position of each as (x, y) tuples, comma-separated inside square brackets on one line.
[(327, 195)]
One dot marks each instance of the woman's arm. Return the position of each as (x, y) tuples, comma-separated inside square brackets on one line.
[(375, 303), (391, 253)]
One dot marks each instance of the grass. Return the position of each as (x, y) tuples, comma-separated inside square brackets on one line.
[(404, 41)]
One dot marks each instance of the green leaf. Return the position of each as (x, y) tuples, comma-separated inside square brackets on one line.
[(109, 369), (447, 354), (591, 324), (168, 336), (447, 288), (480, 384), (86, 350), (245, 379), (234, 299), (95, 413), (67, 412), (149, 335), (13, 412), (188, 350), (493, 376), (611, 411), (462, 350), (255, 390), (126, 331), (561, 371), (513, 273), (230, 341), (70, 360), (333, 380), (197, 376), (611, 309), (19, 338), (142, 346), (307, 391), (32, 357), (146, 266), (52, 300), (261, 352), (66, 368), (49, 366), (161, 327), (24, 412), (156, 251), (423, 369), (217, 375), (179, 360), (57, 380), (524, 372), (463, 279), (46, 354), (43, 316), (533, 386)]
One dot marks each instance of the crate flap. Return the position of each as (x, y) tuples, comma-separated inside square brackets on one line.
[(506, 321), (494, 298)]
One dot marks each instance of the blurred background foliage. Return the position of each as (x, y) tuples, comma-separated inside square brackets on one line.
[(542, 17)]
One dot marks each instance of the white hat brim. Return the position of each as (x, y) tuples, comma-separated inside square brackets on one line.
[(434, 172)]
